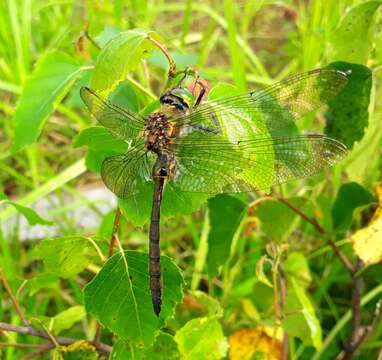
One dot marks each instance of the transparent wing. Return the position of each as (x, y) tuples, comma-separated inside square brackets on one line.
[(121, 122), (275, 107), (215, 165), (124, 174)]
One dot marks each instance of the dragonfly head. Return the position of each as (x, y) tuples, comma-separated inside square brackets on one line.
[(179, 97)]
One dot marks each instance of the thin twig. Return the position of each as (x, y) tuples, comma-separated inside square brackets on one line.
[(356, 325), (13, 299), (37, 354), (114, 234), (344, 259), (308, 219), (16, 345), (172, 65), (283, 296), (29, 330)]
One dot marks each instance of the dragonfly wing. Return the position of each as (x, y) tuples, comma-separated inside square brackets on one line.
[(121, 122), (276, 107), (215, 165), (124, 174)]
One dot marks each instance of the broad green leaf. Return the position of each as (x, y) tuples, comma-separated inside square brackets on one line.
[(297, 266), (97, 138), (225, 213), (66, 319), (80, 350), (237, 125), (350, 196), (31, 215), (52, 78), (2, 196), (66, 256), (120, 55), (44, 280), (164, 348), (137, 208), (201, 338), (101, 145), (119, 296), (348, 114), (274, 212), (207, 304), (353, 39), (301, 320)]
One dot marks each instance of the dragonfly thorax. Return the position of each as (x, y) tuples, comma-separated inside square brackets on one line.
[(157, 132)]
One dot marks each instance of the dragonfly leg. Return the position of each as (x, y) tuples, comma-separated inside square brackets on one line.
[(201, 93), (206, 129)]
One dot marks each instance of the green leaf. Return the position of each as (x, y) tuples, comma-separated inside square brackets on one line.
[(348, 114), (350, 196), (352, 41), (301, 320), (297, 266), (236, 124), (260, 273), (274, 212), (32, 217), (101, 145), (119, 296), (44, 280), (201, 336), (207, 304), (97, 138), (137, 208), (52, 78), (67, 318), (225, 213), (66, 256), (120, 55), (164, 348)]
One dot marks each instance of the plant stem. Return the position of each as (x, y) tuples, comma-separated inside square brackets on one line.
[(29, 330), (344, 259), (114, 234), (13, 299), (172, 65)]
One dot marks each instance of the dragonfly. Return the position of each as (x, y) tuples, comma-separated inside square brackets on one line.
[(240, 143)]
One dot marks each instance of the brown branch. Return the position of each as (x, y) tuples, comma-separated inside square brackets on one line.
[(29, 330), (343, 258), (357, 331), (21, 346), (37, 354), (13, 299), (172, 65)]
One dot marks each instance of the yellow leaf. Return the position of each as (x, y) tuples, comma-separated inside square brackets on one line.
[(367, 242), (262, 340)]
